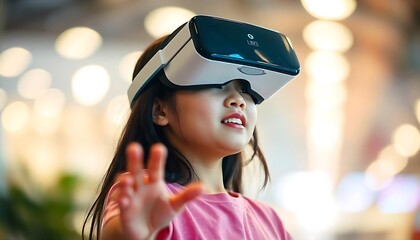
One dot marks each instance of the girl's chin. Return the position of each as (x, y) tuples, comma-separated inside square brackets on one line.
[(237, 148)]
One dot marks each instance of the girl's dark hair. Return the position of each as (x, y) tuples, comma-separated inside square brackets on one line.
[(141, 128)]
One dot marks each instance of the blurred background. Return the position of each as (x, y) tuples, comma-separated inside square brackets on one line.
[(342, 140)]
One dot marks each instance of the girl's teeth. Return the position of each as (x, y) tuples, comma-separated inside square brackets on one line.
[(233, 120)]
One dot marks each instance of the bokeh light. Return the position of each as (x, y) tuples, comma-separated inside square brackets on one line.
[(375, 178), (309, 196), (330, 9), (13, 61), (390, 162), (328, 35), (165, 20), (78, 43), (322, 96), (33, 83), (327, 67), (325, 128), (90, 84), (296, 188), (406, 140), (353, 195), (50, 103), (402, 195), (15, 116)]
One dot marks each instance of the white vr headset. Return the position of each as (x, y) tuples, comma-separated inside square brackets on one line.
[(209, 52)]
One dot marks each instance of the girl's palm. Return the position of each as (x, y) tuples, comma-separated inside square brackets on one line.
[(144, 202)]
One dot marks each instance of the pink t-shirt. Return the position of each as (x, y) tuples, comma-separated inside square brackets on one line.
[(229, 216)]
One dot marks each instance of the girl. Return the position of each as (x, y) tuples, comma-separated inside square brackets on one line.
[(177, 170)]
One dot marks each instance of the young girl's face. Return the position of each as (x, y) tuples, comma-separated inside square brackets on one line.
[(213, 122)]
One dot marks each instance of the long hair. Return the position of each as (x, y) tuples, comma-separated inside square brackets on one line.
[(141, 128)]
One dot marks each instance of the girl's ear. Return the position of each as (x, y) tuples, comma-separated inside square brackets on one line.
[(159, 112)]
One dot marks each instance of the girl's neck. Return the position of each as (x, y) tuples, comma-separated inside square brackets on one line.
[(210, 174)]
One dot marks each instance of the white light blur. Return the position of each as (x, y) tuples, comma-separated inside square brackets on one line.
[(406, 140), (33, 82), (90, 84), (353, 195), (3, 98), (328, 35), (48, 108), (319, 218), (127, 64), (325, 128), (401, 196), (165, 20), (15, 116), (330, 9), (78, 43), (295, 189), (309, 195), (326, 93), (327, 67), (417, 109), (13, 61), (325, 96)]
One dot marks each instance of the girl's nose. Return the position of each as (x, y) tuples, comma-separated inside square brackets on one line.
[(235, 99)]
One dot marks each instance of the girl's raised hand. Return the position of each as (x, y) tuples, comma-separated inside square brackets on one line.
[(145, 206)]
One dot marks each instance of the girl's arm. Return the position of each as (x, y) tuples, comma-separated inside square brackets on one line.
[(143, 201)]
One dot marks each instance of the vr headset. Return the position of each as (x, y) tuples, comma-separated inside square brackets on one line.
[(210, 52)]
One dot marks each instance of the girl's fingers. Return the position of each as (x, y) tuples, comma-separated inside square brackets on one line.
[(124, 178), (122, 181), (134, 155), (123, 190), (191, 192), (124, 203), (156, 162), (125, 195)]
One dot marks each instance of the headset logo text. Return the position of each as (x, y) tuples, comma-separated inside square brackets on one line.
[(251, 40)]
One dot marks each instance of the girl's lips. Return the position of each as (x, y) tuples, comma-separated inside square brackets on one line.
[(235, 119)]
